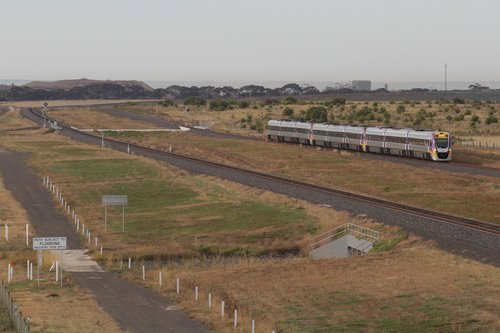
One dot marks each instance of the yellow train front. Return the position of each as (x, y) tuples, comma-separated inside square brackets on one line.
[(442, 147)]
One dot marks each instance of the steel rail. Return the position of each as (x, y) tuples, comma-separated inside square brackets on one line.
[(408, 209)]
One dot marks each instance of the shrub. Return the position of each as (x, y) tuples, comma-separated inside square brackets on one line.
[(317, 114), (337, 101), (458, 100), (166, 103), (270, 102), (218, 105), (288, 112), (290, 100), (400, 109), (491, 120), (243, 104), (195, 100)]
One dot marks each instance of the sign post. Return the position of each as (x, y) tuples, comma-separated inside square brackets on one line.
[(49, 243), (114, 200)]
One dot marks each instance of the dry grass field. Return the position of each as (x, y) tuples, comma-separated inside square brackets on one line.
[(88, 119), (462, 120), (340, 169), (409, 288), (344, 170), (221, 230)]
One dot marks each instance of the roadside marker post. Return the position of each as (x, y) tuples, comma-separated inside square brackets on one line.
[(27, 235), (8, 272), (210, 300), (178, 285), (160, 278), (235, 318), (253, 326), (222, 309), (6, 232), (143, 273), (129, 263), (114, 200), (27, 269), (196, 293), (101, 253)]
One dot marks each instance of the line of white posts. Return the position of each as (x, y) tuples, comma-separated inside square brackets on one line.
[(86, 232), (196, 294)]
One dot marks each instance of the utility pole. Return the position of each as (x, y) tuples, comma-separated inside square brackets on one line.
[(445, 77)]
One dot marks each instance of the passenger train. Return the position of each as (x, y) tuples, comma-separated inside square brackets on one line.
[(425, 144)]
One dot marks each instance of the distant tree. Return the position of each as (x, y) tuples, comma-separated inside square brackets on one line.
[(195, 100), (478, 86), (317, 114)]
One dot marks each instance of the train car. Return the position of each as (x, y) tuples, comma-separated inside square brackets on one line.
[(425, 144)]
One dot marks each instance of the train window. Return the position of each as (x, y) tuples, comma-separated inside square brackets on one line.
[(375, 137), (336, 134)]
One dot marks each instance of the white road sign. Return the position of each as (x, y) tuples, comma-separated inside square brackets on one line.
[(114, 200), (49, 243)]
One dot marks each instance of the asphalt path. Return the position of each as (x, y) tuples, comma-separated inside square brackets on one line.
[(160, 122), (463, 241), (134, 308)]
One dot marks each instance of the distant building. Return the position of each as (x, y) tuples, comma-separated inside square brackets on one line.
[(362, 85)]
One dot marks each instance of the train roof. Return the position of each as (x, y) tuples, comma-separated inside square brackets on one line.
[(393, 131)]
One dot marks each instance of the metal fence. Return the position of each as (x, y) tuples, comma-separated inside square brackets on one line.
[(21, 324), (346, 229), (477, 144)]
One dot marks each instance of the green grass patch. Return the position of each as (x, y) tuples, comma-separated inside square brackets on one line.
[(104, 169), (388, 244), (6, 324)]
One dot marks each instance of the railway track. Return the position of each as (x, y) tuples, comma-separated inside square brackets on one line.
[(155, 153), (454, 166)]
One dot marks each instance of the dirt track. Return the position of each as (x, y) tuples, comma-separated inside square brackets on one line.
[(134, 308)]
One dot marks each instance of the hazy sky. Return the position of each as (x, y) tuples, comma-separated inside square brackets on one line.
[(254, 40)]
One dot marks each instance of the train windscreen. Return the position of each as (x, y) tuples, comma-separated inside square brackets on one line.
[(442, 142)]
